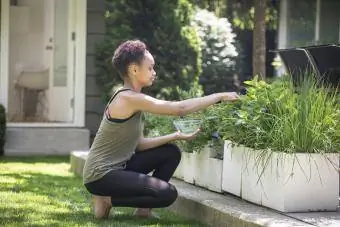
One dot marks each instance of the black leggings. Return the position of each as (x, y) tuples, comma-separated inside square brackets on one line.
[(131, 187)]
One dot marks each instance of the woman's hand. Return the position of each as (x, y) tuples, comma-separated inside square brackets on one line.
[(186, 136), (229, 96)]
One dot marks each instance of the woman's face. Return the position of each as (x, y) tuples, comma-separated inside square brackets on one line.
[(145, 73)]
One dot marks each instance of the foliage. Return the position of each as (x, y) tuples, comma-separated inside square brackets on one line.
[(2, 129), (241, 13), (41, 191), (275, 116), (165, 27), (283, 117), (218, 52), (158, 125), (218, 7)]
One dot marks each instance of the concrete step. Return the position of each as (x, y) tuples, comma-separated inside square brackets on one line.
[(45, 140), (226, 210)]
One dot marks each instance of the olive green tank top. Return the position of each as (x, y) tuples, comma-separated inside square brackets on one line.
[(114, 144)]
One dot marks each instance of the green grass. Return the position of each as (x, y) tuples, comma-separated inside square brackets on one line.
[(40, 191)]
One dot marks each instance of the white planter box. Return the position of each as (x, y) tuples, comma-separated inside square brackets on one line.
[(188, 166), (232, 169), (200, 169), (208, 171), (251, 179), (301, 182), (215, 174), (179, 170), (289, 183)]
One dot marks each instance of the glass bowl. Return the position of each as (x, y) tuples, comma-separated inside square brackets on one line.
[(187, 125)]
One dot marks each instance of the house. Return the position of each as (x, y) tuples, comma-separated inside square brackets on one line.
[(307, 23), (47, 80)]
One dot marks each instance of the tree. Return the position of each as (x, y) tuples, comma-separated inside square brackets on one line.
[(165, 27), (218, 50), (259, 39)]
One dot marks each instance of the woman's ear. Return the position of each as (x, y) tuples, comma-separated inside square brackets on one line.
[(133, 69)]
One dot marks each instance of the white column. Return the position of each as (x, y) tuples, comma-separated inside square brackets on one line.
[(317, 22), (283, 34), (4, 67), (80, 75)]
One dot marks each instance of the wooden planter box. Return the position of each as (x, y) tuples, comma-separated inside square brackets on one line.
[(289, 182)]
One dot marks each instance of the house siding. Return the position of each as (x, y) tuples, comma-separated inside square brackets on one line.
[(95, 33)]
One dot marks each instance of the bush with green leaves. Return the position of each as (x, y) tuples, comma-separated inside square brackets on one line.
[(219, 53), (165, 27), (276, 116), (2, 129), (284, 118)]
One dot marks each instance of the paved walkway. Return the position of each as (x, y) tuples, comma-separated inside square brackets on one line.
[(227, 210)]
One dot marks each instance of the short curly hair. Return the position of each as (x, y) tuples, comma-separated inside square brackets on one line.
[(130, 51)]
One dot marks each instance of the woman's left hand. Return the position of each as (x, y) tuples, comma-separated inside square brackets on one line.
[(187, 136)]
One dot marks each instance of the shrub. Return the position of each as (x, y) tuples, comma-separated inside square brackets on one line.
[(165, 27), (285, 118), (218, 51), (2, 129)]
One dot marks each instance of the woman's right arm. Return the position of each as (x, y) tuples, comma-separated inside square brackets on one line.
[(145, 103)]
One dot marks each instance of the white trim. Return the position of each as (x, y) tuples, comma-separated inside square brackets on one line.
[(80, 77), (4, 68), (317, 22), (283, 28), (72, 24)]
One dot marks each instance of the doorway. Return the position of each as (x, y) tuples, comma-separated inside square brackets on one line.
[(41, 49)]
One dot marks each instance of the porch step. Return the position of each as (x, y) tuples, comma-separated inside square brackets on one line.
[(226, 210), (45, 140)]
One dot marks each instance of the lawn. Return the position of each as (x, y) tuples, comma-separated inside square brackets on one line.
[(40, 191)]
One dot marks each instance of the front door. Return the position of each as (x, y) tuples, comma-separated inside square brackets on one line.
[(60, 51)]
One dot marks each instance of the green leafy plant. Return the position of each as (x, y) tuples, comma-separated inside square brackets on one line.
[(2, 129), (284, 118)]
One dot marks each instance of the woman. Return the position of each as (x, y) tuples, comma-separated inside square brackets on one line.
[(120, 157)]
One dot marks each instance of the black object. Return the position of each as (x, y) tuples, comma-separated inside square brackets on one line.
[(322, 60), (243, 91)]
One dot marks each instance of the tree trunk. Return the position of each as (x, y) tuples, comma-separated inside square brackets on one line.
[(259, 39)]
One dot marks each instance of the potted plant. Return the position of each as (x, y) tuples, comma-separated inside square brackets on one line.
[(282, 144)]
